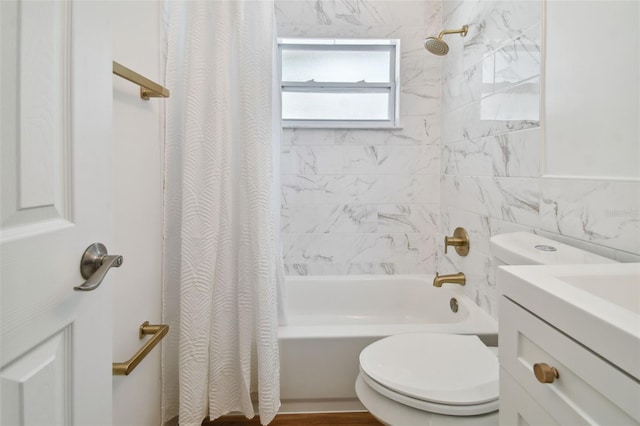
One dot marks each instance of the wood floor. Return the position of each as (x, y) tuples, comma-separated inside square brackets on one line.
[(316, 419)]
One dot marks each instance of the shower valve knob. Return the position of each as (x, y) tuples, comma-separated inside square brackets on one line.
[(460, 241)]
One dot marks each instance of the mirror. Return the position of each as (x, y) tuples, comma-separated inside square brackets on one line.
[(591, 89)]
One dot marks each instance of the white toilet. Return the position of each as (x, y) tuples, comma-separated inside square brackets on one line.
[(444, 379)]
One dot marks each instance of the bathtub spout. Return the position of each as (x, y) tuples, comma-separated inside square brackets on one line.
[(458, 278)]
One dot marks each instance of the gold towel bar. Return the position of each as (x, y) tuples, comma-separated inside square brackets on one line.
[(148, 89), (158, 331)]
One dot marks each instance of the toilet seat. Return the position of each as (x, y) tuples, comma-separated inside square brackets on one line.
[(450, 410), (440, 373)]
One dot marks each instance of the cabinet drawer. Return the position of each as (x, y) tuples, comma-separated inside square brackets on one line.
[(517, 407), (588, 390)]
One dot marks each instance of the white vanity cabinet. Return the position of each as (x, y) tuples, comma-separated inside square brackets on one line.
[(589, 389)]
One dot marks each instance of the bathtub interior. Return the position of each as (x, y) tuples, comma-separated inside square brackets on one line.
[(366, 300)]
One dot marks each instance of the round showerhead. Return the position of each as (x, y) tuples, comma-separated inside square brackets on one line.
[(436, 46)]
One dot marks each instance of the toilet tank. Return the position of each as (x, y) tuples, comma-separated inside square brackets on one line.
[(525, 248)]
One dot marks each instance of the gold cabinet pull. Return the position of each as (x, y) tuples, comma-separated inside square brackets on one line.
[(545, 373), (158, 332)]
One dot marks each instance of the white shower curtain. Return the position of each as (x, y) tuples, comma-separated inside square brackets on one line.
[(221, 260)]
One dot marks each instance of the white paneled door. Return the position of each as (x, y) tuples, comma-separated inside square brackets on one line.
[(56, 174)]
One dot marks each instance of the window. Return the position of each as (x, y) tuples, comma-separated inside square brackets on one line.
[(339, 83)]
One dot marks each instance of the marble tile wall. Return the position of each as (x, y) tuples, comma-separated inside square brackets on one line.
[(491, 179), (468, 154), (365, 201)]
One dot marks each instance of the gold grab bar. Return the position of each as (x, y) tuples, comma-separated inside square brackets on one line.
[(158, 331), (148, 89)]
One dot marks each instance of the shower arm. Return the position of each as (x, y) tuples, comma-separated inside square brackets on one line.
[(462, 31)]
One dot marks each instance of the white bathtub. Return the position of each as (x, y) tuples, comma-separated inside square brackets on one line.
[(332, 318)]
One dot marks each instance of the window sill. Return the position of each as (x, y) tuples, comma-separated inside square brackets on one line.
[(344, 126)]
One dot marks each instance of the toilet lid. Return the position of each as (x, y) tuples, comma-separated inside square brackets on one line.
[(440, 368)]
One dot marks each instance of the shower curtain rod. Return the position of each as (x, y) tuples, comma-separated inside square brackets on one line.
[(148, 89)]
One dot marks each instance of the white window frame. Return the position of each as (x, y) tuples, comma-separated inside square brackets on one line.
[(392, 87)]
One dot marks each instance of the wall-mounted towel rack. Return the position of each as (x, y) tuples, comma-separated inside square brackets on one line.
[(148, 89), (158, 332)]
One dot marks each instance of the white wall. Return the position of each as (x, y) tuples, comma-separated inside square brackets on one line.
[(138, 158)]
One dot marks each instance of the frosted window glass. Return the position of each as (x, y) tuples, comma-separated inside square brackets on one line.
[(335, 106), (348, 66)]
